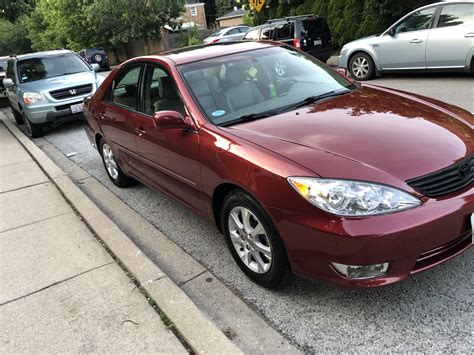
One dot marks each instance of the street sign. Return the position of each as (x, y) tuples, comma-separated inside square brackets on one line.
[(257, 4)]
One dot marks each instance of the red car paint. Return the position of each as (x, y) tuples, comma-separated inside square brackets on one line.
[(373, 134)]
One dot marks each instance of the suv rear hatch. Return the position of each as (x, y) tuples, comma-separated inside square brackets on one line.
[(314, 34)]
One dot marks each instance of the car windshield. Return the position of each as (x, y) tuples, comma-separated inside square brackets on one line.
[(39, 68), (3, 64), (259, 83)]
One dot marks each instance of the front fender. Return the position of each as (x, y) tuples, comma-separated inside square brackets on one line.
[(370, 49)]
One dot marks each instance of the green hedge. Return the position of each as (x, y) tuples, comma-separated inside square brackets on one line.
[(348, 19)]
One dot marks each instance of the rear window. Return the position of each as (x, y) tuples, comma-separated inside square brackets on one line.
[(34, 69)]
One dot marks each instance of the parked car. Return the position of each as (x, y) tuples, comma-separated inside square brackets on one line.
[(303, 170), (437, 37), (47, 87), (308, 33), (3, 68), (227, 34), (95, 56)]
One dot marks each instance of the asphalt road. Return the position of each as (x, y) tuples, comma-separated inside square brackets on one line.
[(430, 312)]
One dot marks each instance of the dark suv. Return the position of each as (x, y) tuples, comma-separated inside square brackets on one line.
[(309, 33), (95, 55)]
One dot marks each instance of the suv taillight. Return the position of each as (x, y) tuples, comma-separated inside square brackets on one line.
[(297, 43)]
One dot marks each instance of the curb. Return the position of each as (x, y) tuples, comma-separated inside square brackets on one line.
[(198, 331)]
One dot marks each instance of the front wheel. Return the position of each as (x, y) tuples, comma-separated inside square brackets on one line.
[(253, 241), (32, 130), (112, 168), (361, 67)]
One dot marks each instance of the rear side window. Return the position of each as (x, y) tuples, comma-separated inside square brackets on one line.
[(267, 33), (125, 92), (252, 34), (313, 26), (456, 14), (284, 31)]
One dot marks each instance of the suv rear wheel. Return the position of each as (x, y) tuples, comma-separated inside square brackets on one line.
[(361, 66)]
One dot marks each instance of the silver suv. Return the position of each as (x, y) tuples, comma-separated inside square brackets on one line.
[(47, 87), (437, 37)]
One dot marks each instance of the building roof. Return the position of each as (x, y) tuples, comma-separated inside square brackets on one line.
[(232, 14)]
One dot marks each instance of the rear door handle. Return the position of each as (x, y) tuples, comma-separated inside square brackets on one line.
[(416, 40), (140, 131), (470, 34)]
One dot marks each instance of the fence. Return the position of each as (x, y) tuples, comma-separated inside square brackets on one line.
[(167, 41)]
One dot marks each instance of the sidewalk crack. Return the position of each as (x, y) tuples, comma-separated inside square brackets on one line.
[(56, 283)]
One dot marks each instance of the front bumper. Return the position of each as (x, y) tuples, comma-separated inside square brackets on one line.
[(342, 61), (411, 241), (51, 112)]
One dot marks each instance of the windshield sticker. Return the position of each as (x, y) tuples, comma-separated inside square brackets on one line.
[(218, 113), (253, 71)]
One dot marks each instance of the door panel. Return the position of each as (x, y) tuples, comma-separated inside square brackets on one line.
[(452, 40), (406, 48), (169, 157), (117, 113)]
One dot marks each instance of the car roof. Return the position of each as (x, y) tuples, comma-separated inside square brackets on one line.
[(43, 54), (202, 52)]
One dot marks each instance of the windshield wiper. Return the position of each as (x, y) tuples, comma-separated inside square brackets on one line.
[(315, 98), (250, 117)]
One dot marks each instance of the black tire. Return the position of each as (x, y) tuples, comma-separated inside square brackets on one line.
[(279, 270), (32, 130), (120, 179), (17, 116), (361, 67)]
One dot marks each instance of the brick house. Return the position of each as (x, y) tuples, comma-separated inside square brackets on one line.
[(194, 14)]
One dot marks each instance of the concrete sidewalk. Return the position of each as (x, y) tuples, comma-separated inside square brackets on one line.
[(60, 291)]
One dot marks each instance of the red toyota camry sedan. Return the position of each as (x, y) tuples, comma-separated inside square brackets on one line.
[(303, 170)]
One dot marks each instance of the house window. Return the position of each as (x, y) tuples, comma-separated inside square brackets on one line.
[(193, 11)]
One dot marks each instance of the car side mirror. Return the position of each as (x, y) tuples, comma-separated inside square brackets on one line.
[(391, 32), (95, 67), (170, 119), (7, 83)]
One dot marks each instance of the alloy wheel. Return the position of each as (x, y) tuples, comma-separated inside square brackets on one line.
[(109, 161), (360, 67), (250, 240)]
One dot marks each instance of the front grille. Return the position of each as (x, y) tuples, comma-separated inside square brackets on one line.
[(446, 180), (71, 92), (443, 252)]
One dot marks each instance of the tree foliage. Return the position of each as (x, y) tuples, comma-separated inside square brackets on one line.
[(13, 38), (12, 10), (76, 24)]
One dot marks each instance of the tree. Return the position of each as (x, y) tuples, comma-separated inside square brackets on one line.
[(12, 10), (13, 38)]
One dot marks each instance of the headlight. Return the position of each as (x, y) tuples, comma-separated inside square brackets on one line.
[(33, 98), (352, 198)]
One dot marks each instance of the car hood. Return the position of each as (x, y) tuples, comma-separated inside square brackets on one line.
[(371, 133), (60, 82)]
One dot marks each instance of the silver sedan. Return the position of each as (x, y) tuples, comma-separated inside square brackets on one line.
[(437, 37)]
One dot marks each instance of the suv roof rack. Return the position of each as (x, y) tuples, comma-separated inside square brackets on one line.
[(289, 18)]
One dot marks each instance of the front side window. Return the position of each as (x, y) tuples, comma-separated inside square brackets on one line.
[(3, 64), (160, 92), (125, 91), (420, 20), (33, 69), (233, 31), (10, 72), (231, 87), (456, 14)]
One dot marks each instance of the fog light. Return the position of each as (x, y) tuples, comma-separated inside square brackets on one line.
[(361, 271)]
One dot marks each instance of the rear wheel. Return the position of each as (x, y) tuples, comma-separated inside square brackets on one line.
[(112, 168), (361, 67), (253, 241)]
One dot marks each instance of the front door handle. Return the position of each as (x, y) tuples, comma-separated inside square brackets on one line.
[(140, 131), (416, 40), (470, 34)]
